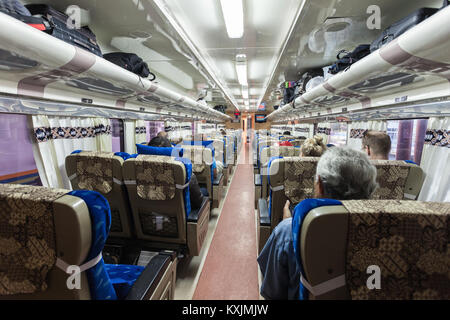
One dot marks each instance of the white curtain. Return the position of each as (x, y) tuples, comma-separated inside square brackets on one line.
[(435, 161), (356, 130), (134, 132), (57, 137), (324, 130)]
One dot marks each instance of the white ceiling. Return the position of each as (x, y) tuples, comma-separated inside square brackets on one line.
[(266, 25)]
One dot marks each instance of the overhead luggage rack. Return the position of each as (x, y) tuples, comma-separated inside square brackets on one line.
[(414, 67), (35, 64)]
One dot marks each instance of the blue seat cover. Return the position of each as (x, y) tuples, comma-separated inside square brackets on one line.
[(125, 156), (100, 284), (159, 151), (123, 277), (300, 212)]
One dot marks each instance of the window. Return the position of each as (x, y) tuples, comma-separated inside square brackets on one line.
[(407, 139), (16, 151), (155, 127), (117, 135), (338, 135)]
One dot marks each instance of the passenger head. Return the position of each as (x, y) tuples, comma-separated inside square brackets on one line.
[(162, 134), (377, 145), (313, 147), (345, 174), (160, 142), (223, 132), (286, 133)]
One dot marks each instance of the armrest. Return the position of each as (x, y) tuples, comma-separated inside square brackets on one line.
[(263, 212), (258, 180), (196, 214), (149, 279), (217, 181)]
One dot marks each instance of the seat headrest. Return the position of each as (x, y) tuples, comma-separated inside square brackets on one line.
[(95, 171), (391, 178), (155, 177), (299, 174), (27, 237), (159, 151), (408, 240)]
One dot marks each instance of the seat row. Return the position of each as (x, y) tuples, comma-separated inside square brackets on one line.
[(292, 178), (149, 195), (61, 234)]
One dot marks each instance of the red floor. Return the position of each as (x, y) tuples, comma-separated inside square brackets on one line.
[(230, 270)]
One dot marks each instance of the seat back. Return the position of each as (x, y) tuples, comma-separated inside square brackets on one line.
[(277, 151), (39, 225), (219, 150), (398, 180), (156, 186), (202, 160), (297, 142), (102, 172), (292, 179), (407, 240)]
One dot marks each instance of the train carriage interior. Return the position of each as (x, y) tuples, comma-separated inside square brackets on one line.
[(224, 150)]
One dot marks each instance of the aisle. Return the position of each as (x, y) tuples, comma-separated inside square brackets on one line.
[(230, 271)]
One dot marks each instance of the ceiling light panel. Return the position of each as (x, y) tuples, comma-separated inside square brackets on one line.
[(233, 14)]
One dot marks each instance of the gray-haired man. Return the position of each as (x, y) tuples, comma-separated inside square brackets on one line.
[(342, 174)]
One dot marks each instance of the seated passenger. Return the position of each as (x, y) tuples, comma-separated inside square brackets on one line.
[(286, 133), (223, 132), (342, 174), (162, 134), (194, 187), (377, 145), (313, 147)]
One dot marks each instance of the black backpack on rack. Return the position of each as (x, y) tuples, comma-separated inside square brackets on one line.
[(349, 58), (130, 62)]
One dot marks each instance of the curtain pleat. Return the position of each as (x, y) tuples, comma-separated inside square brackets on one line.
[(54, 138), (435, 161)]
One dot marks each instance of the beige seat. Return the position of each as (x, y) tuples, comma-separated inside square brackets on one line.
[(48, 228), (201, 158), (156, 186), (102, 172), (407, 240), (398, 180), (220, 155), (293, 179), (266, 154)]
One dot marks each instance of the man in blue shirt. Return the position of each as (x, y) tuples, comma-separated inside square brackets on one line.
[(342, 174)]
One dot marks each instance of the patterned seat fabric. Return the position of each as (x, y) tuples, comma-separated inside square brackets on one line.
[(155, 177), (299, 174), (276, 151), (27, 237), (199, 158), (391, 178), (408, 240), (95, 171)]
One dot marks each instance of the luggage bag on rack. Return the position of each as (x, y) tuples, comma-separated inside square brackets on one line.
[(130, 62), (400, 27), (83, 37), (16, 9), (343, 62)]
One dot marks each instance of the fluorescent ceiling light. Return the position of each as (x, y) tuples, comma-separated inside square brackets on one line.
[(233, 14), (241, 69), (245, 92)]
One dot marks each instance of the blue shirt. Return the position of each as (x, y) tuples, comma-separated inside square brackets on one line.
[(278, 265)]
